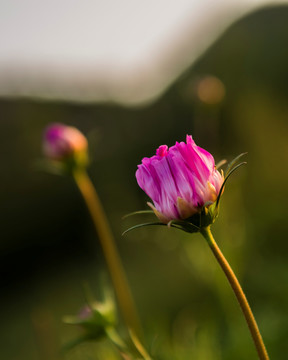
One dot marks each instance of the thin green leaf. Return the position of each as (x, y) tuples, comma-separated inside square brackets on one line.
[(225, 180), (233, 162), (220, 163), (138, 213), (142, 225), (115, 338), (70, 345), (71, 320)]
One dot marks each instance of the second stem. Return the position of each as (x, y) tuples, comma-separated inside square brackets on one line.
[(106, 238)]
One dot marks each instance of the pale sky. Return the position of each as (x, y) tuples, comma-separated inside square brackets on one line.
[(74, 49)]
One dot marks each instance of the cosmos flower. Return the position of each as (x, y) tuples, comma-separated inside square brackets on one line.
[(180, 180)]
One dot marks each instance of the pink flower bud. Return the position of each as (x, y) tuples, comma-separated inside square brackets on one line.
[(179, 180), (62, 142)]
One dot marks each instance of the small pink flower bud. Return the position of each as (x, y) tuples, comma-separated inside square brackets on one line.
[(63, 143), (180, 180)]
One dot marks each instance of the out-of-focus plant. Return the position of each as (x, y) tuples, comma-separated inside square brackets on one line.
[(66, 151), (97, 320), (186, 187)]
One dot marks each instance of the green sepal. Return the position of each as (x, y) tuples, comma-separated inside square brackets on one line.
[(144, 224), (138, 213), (225, 180), (233, 162), (220, 163)]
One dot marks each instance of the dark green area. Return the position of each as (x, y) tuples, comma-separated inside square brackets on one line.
[(48, 247)]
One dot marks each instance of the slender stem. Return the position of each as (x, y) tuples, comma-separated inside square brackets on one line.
[(116, 270), (139, 346), (249, 317), (117, 341)]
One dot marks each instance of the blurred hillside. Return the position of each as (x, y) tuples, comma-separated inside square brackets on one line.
[(48, 246)]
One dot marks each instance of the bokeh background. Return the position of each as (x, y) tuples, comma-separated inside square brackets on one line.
[(234, 98)]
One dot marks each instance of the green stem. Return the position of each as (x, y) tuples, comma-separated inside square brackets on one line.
[(117, 341), (116, 270), (231, 277)]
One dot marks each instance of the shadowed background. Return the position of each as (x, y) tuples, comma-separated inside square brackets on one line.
[(233, 99)]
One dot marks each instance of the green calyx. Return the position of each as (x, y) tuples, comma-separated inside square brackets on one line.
[(67, 165), (206, 216), (96, 323)]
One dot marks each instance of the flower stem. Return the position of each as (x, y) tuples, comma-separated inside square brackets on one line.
[(114, 264), (231, 277)]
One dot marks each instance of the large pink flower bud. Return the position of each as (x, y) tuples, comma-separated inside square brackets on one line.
[(179, 180)]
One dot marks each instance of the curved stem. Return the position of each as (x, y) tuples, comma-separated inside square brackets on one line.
[(115, 267), (117, 341), (245, 307), (139, 346)]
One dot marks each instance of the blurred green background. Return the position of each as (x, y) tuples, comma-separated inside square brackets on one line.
[(234, 99)]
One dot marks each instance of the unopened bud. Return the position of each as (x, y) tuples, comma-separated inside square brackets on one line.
[(64, 143)]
